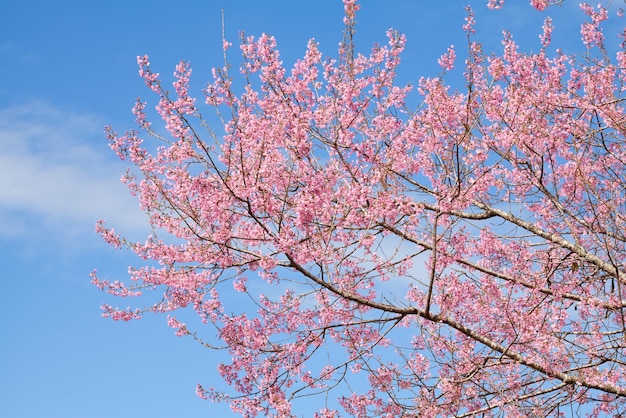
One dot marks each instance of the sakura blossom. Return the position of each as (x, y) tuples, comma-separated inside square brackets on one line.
[(464, 257)]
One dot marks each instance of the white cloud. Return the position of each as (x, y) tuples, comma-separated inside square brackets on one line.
[(57, 174)]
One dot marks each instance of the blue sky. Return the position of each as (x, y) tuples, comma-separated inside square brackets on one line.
[(67, 68)]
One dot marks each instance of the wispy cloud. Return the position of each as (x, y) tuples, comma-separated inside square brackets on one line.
[(57, 174)]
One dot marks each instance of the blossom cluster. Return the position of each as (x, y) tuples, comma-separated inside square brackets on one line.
[(463, 258)]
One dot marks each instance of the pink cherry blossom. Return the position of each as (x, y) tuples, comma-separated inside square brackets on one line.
[(459, 257), (447, 60)]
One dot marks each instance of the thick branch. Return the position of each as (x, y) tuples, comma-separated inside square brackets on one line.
[(440, 318), (552, 237)]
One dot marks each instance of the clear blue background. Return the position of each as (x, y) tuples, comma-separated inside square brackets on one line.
[(67, 68)]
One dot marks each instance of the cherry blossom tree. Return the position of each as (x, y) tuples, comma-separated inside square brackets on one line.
[(462, 257)]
